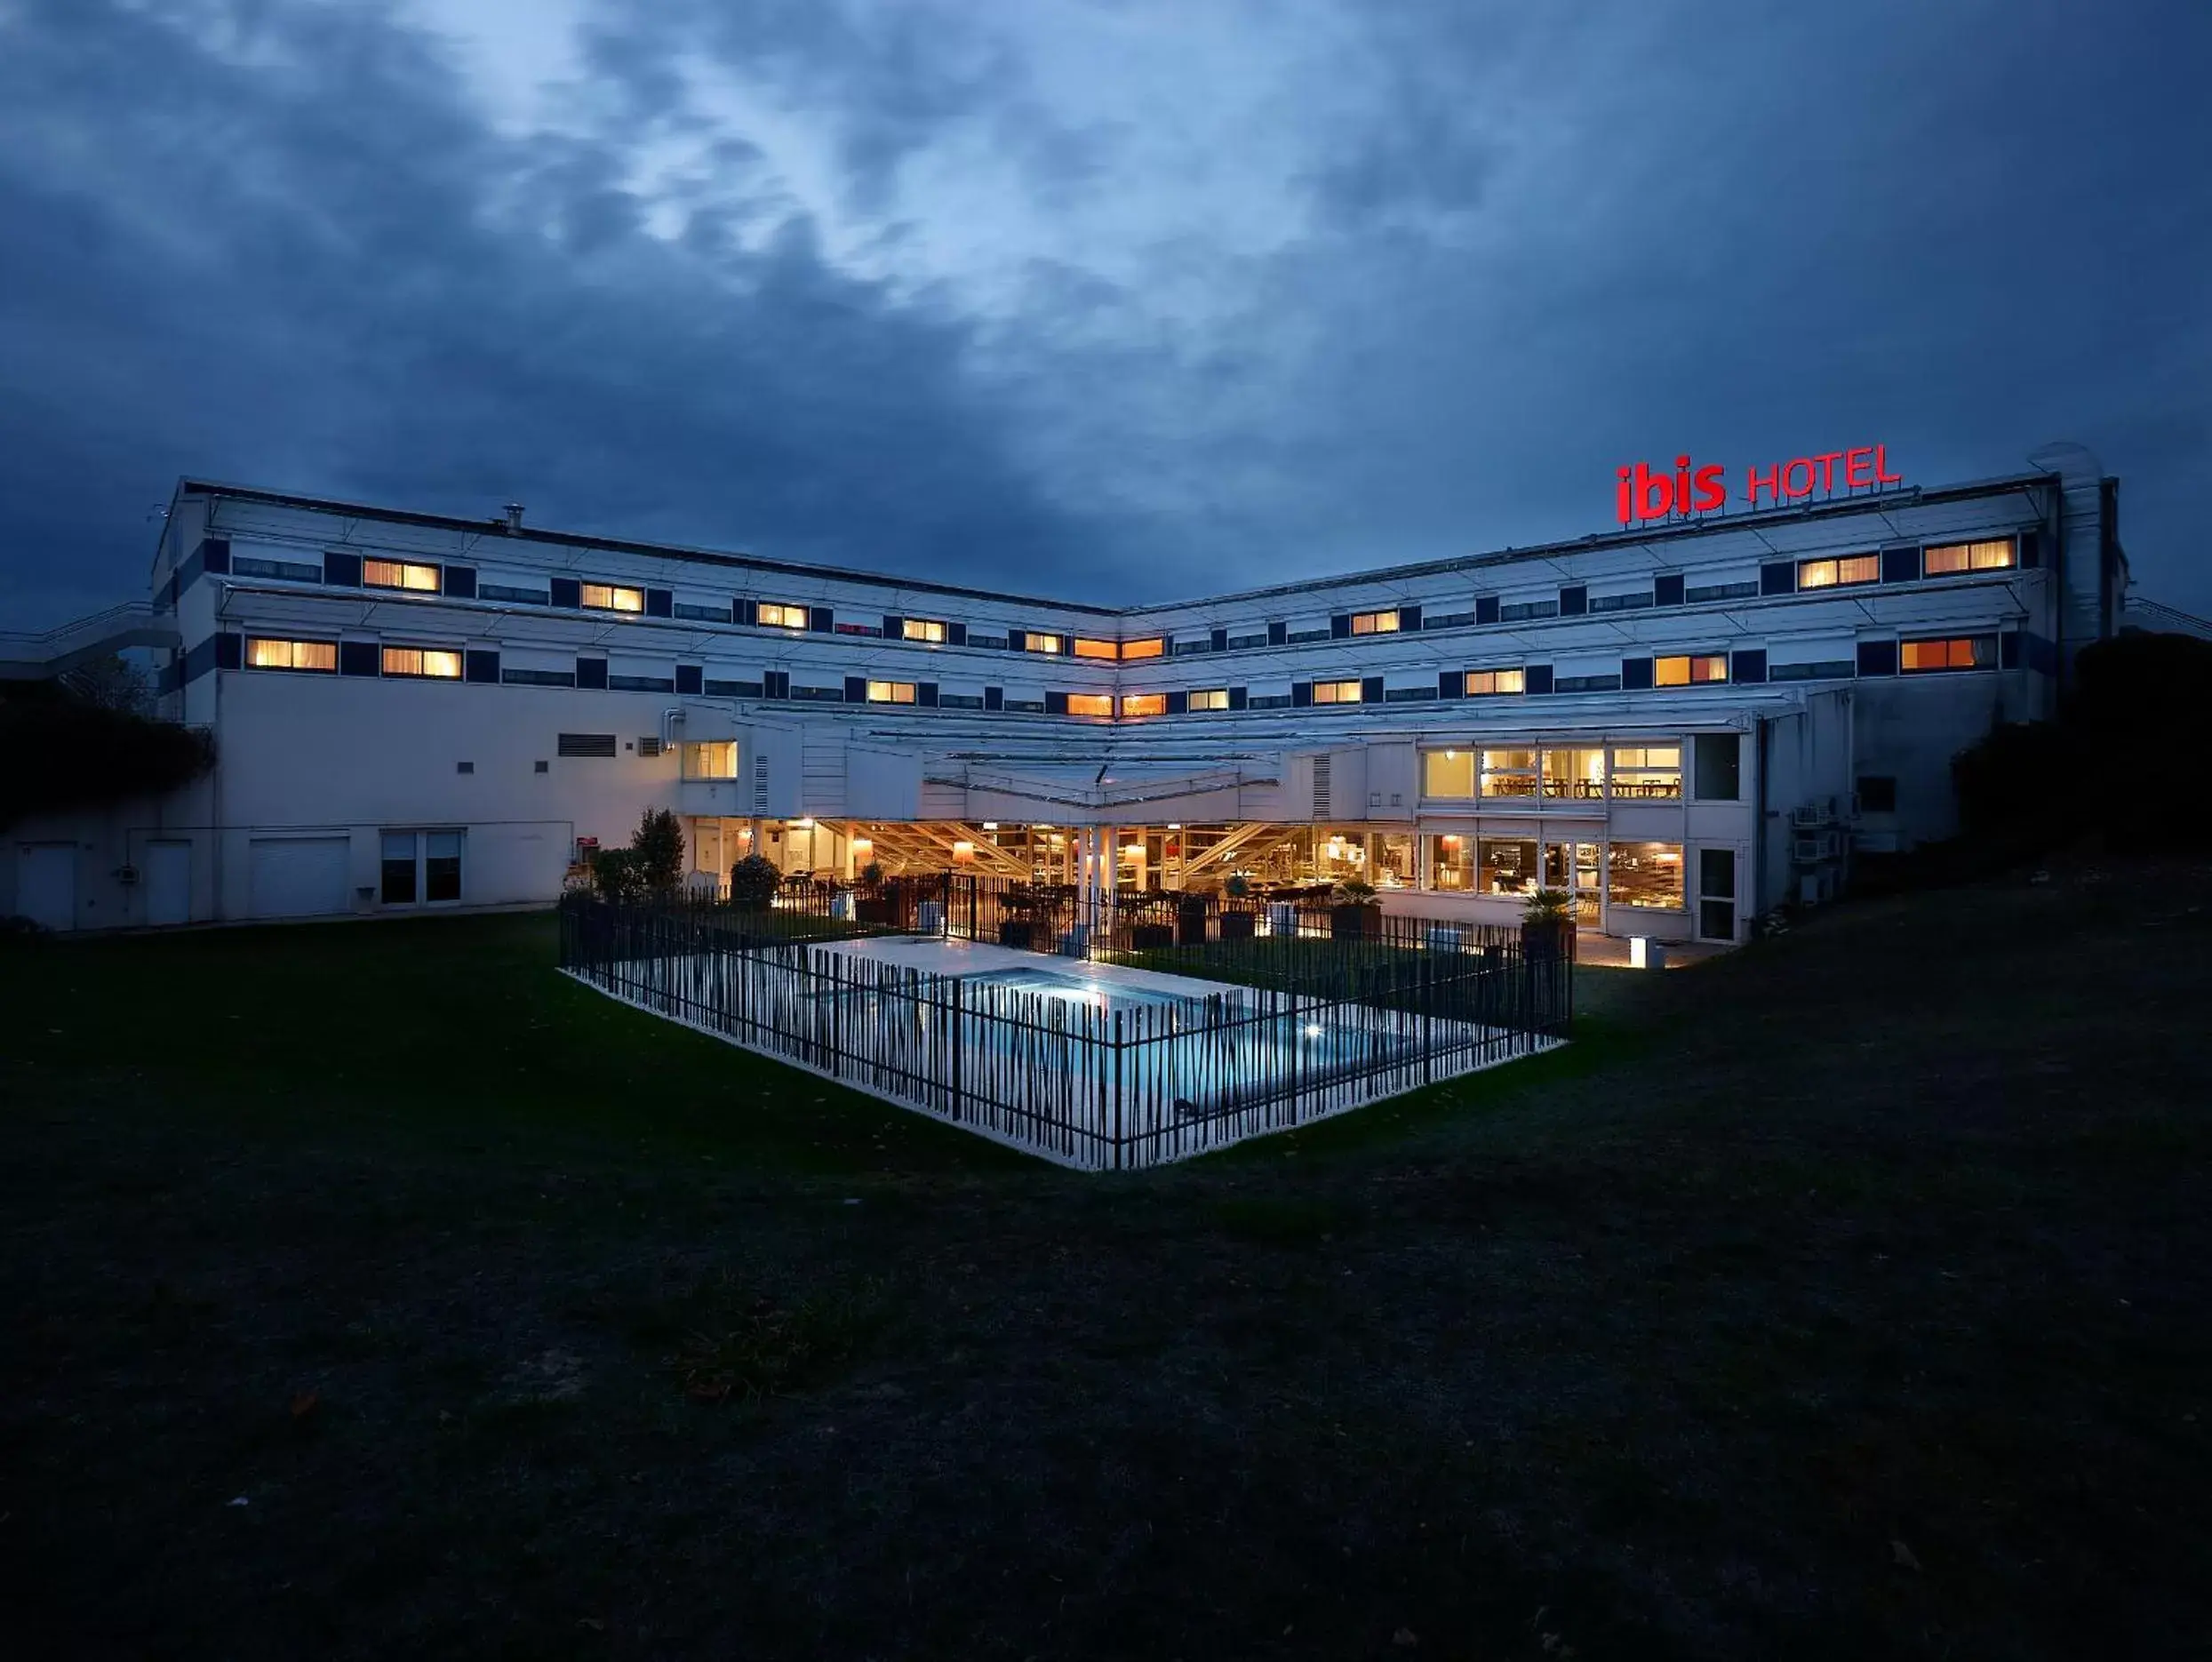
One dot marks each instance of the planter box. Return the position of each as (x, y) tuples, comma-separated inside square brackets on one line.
[(1542, 943), (1190, 926), (1238, 925), (876, 909), (1017, 933), (1349, 922), (1152, 937)]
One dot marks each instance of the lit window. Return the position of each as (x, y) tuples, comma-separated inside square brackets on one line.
[(1483, 683), (1035, 643), (1577, 774), (1090, 704), (1966, 652), (1857, 568), (1336, 693), (1374, 623), (1151, 648), (890, 693), (263, 654), (1647, 875), (1649, 772), (711, 759), (1509, 773), (1210, 698), (1448, 773), (1143, 704), (438, 664), (1696, 670), (608, 597), (1506, 865), (1451, 861), (923, 629), (399, 574), (1096, 648), (776, 615), (1967, 556)]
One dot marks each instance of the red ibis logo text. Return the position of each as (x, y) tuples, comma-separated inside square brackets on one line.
[(1642, 494)]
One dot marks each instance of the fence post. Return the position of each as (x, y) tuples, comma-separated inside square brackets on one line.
[(1117, 1089), (957, 1047)]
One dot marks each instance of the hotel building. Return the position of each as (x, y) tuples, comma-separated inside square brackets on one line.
[(1684, 723)]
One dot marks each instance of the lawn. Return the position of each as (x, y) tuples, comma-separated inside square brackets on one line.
[(372, 1290)]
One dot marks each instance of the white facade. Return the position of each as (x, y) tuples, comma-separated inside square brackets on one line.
[(480, 700)]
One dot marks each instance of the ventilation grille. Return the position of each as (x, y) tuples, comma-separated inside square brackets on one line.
[(760, 785), (1320, 787), (585, 745), (648, 746)]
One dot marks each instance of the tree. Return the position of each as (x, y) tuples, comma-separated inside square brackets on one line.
[(656, 847), (63, 751), (754, 882)]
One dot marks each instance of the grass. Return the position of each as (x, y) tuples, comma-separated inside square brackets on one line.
[(1843, 1298)]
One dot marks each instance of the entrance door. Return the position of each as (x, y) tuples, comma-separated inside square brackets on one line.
[(168, 883), (1574, 868), (1716, 894), (45, 884)]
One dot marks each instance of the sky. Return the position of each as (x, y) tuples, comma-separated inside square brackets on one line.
[(1119, 299)]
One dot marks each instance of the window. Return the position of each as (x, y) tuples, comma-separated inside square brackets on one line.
[(1032, 642), (1575, 774), (774, 614), (1856, 568), (609, 597), (1143, 704), (890, 693), (1967, 556), (537, 677), (1509, 773), (1645, 875), (1505, 865), (1448, 773), (1878, 793), (513, 596), (1814, 669), (1719, 758), (1336, 693), (1649, 772), (1096, 648), (436, 663), (929, 629), (1716, 893), (1151, 647), (698, 613), (1697, 669), (399, 574), (1747, 589), (1210, 698), (267, 654), (1522, 610), (1374, 623), (711, 759), (1965, 651), (1451, 862), (242, 565), (1090, 704), (420, 868), (1622, 603), (1481, 684)]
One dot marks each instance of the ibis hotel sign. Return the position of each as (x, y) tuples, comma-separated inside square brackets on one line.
[(1643, 494)]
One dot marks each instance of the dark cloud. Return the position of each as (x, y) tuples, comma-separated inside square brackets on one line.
[(1461, 261)]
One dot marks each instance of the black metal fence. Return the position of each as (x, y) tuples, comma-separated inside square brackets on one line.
[(1099, 1073)]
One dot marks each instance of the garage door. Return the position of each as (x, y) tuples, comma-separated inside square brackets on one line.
[(45, 884), (300, 877)]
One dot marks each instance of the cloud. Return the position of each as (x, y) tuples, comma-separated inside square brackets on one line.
[(1115, 298)]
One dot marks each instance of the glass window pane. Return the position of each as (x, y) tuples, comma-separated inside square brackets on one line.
[(1451, 862), (1506, 865), (398, 868), (1448, 773), (1509, 773), (1719, 766), (1647, 875), (1575, 774)]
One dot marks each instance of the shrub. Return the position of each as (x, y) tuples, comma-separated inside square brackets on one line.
[(872, 874), (65, 752), (615, 874), (754, 882), (1239, 887), (1354, 891)]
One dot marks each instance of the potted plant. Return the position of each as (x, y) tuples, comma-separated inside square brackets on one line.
[(1237, 917), (1354, 912), (1146, 930), (1190, 919), (1547, 925)]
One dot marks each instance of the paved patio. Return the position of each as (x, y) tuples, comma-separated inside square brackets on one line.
[(1611, 952)]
